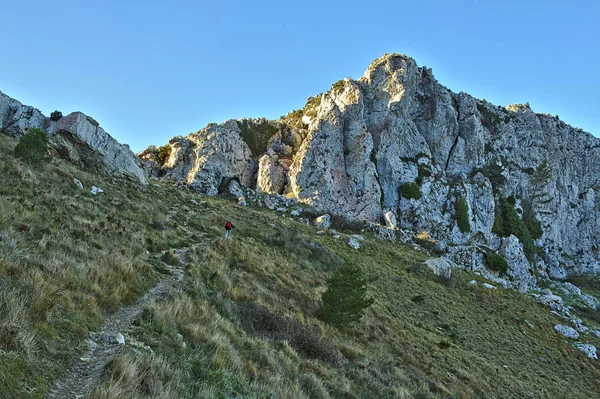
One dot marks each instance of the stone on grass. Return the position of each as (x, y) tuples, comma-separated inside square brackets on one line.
[(440, 267), (120, 339), (491, 287), (353, 243), (96, 190), (588, 349), (242, 201), (78, 184), (566, 331), (323, 221)]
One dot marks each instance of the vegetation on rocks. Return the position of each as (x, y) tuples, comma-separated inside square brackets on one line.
[(161, 154), (461, 209), (508, 222), (55, 116), (256, 135), (496, 263), (410, 191)]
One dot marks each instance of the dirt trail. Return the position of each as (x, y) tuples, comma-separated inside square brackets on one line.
[(86, 373)]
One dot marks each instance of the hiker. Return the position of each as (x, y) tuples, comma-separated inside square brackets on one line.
[(228, 228)]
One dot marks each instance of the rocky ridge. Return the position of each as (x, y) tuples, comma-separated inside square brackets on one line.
[(76, 137), (397, 143)]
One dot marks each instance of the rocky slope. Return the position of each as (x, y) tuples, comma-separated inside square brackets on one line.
[(76, 137), (354, 150)]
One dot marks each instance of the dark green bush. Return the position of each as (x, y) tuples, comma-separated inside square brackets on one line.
[(531, 222), (496, 262), (256, 135), (423, 172), (508, 222), (56, 115), (345, 299), (462, 215), (345, 224), (33, 147), (410, 190), (162, 153)]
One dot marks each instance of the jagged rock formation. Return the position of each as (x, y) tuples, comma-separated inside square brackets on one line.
[(76, 137), (397, 141)]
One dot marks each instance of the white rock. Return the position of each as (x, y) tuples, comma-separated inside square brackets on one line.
[(486, 285), (358, 237), (295, 213), (529, 324), (590, 301), (96, 190), (242, 201), (353, 243), (282, 210), (390, 220), (440, 266), (472, 282), (78, 184), (120, 339), (588, 349), (567, 331), (323, 221)]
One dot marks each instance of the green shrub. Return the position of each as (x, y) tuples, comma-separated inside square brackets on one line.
[(162, 153), (56, 115), (33, 147), (423, 172), (531, 222), (496, 262), (462, 215), (410, 190), (256, 135), (507, 222), (345, 299)]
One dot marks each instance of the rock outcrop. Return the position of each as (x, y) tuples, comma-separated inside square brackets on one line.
[(397, 141), (76, 137)]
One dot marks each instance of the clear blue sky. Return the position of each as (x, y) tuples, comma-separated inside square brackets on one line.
[(149, 70)]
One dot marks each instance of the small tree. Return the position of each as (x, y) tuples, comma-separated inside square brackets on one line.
[(410, 190), (345, 299), (33, 146), (462, 215), (496, 262), (56, 115)]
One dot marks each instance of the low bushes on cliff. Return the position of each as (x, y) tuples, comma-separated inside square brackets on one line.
[(410, 191), (507, 222), (496, 263)]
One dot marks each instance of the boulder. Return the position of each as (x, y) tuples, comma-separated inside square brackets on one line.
[(323, 221), (78, 184), (96, 190), (440, 266), (353, 243), (567, 331), (489, 286), (390, 220), (588, 349)]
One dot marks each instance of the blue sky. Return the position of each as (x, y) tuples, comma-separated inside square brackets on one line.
[(150, 70)]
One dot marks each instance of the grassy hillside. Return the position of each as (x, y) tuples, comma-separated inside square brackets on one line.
[(243, 322)]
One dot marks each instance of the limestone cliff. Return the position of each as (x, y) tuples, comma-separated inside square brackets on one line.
[(76, 137), (397, 140)]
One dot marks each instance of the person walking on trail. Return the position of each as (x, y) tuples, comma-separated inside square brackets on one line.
[(228, 228)]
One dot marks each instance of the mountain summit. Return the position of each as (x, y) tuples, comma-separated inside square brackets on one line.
[(395, 140)]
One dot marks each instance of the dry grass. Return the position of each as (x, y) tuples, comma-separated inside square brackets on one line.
[(243, 324)]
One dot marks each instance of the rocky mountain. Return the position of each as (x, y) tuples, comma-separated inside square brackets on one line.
[(76, 137), (473, 177)]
